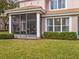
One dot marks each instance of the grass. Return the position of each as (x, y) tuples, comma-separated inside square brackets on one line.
[(39, 49), (4, 32)]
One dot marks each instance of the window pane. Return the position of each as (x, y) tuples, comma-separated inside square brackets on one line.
[(61, 4), (65, 21), (65, 28), (49, 22), (50, 29), (50, 25), (65, 24), (57, 4), (54, 4), (57, 28), (57, 21)]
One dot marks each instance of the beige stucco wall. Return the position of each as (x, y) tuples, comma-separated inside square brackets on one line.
[(45, 3), (72, 3), (33, 2), (74, 23)]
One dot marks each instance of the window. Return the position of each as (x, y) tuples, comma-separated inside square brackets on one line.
[(57, 4), (54, 4), (61, 4), (50, 25), (65, 24), (58, 25)]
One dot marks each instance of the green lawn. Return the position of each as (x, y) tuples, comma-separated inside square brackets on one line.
[(39, 49)]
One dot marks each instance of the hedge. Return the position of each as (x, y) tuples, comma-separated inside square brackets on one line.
[(6, 35), (60, 35)]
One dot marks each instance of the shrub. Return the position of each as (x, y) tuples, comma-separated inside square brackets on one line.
[(6, 35), (51, 35), (60, 35), (68, 35)]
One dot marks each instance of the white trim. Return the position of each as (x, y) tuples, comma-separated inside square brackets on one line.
[(38, 24), (70, 24), (61, 24), (9, 23), (53, 25), (66, 3), (45, 24), (57, 4)]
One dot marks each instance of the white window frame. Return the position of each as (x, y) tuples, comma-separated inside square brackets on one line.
[(57, 6), (61, 24), (49, 25), (57, 25), (67, 25)]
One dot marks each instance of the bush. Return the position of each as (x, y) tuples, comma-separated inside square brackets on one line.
[(60, 35), (6, 35), (68, 35), (51, 35)]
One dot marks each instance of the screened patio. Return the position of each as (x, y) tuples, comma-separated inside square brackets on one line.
[(25, 25), (25, 22)]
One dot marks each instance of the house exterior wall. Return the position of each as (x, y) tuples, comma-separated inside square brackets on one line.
[(73, 4), (74, 23), (45, 3), (41, 3)]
